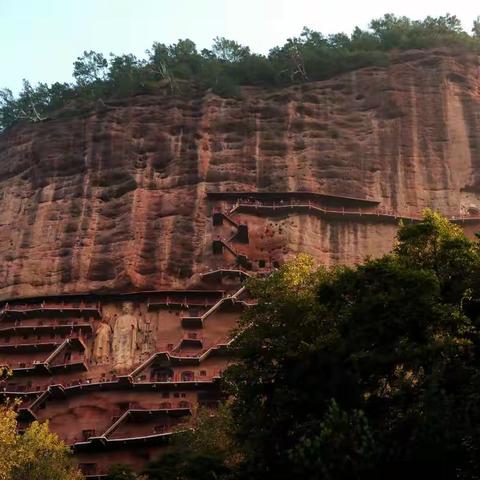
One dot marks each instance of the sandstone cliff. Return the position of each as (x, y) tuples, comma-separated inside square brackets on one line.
[(115, 199)]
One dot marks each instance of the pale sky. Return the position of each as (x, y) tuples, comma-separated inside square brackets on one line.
[(40, 39)]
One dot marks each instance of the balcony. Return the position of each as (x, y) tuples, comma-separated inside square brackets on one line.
[(75, 366), (81, 328), (34, 346), (36, 367), (185, 299), (220, 273), (17, 310), (144, 423)]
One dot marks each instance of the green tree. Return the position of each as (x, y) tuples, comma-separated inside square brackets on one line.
[(185, 465), (392, 31), (37, 454), (30, 105), (43, 455), (180, 59), (122, 472), (8, 442), (126, 75), (207, 451), (364, 372), (91, 67), (229, 50), (58, 95), (228, 65), (9, 112), (211, 434), (476, 28), (342, 444), (437, 245)]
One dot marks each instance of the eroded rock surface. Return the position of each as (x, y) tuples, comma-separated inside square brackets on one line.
[(115, 200)]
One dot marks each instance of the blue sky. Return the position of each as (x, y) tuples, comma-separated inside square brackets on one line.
[(40, 39)]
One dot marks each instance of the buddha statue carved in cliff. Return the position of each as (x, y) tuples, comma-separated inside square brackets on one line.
[(124, 342), (101, 344)]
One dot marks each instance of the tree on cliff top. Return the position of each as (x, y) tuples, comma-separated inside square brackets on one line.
[(229, 50), (36, 454), (476, 27), (91, 67), (228, 65)]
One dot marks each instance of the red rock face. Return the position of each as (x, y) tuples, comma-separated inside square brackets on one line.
[(184, 197), (117, 375), (116, 199)]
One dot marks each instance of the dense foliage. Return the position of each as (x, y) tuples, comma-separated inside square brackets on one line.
[(36, 454), (360, 372), (205, 451), (228, 65), (369, 371)]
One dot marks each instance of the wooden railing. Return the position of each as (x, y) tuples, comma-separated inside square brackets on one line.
[(50, 307), (358, 212), (143, 378)]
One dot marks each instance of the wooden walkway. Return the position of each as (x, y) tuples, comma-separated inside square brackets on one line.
[(298, 196), (347, 214)]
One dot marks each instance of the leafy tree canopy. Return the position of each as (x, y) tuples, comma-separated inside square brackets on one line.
[(358, 372), (36, 454), (208, 451), (123, 472), (346, 373), (228, 65), (91, 67)]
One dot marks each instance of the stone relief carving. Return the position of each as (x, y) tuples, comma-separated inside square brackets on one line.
[(124, 341), (147, 338), (101, 344)]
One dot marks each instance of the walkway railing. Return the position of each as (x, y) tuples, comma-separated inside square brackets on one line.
[(380, 213), (209, 376), (9, 308), (231, 270)]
